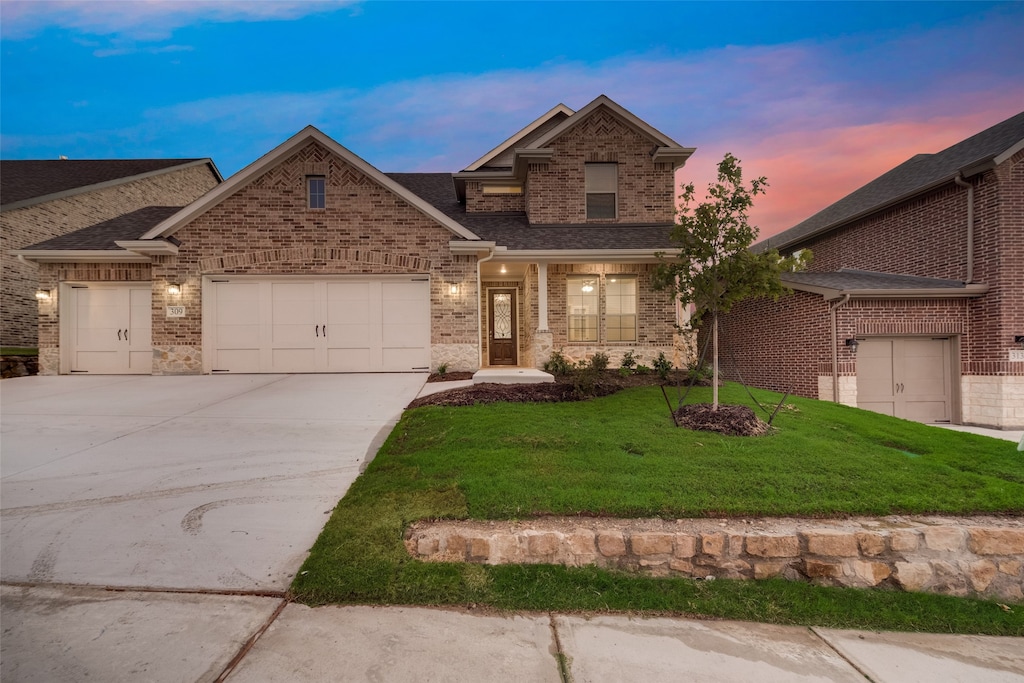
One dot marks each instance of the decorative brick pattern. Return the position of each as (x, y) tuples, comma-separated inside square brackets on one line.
[(982, 557)]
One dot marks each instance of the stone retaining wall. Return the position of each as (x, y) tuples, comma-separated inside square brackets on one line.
[(980, 557), (18, 366)]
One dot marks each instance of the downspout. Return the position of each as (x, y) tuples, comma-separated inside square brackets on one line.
[(959, 180), (31, 264), (479, 313), (835, 347)]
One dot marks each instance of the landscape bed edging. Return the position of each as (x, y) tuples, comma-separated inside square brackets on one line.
[(976, 557)]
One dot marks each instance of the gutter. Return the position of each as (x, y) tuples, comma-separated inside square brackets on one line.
[(959, 180), (835, 347)]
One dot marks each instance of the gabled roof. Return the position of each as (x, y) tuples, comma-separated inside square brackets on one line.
[(308, 134), (538, 127), (915, 176), (875, 285), (512, 231), (105, 235), (28, 182)]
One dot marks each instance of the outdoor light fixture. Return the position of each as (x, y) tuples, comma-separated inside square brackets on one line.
[(1019, 339), (453, 289), (173, 289), (44, 294), (503, 269), (853, 344)]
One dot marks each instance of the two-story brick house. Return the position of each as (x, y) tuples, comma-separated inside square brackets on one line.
[(312, 260), (914, 303), (44, 199)]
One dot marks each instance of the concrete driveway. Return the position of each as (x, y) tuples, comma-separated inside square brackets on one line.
[(190, 486)]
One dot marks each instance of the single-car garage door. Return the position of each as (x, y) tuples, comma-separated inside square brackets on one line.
[(358, 324), (108, 329), (908, 377)]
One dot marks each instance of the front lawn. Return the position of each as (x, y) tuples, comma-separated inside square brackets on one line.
[(621, 456)]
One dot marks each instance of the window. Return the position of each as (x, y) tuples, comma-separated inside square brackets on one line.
[(620, 308), (583, 299), (602, 184), (316, 192), (503, 189)]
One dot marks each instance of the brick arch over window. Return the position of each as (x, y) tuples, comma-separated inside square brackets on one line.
[(362, 256)]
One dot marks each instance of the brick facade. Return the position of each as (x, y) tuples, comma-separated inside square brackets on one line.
[(646, 190), (786, 345), (30, 225)]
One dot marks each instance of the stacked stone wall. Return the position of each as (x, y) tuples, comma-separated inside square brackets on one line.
[(980, 557)]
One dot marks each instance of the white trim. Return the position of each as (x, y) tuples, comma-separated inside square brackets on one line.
[(1000, 158), (82, 256), (586, 255), (169, 226), (149, 247), (510, 142)]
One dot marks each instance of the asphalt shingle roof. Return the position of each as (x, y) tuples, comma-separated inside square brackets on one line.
[(514, 231), (22, 180), (912, 176), (848, 278), (102, 236)]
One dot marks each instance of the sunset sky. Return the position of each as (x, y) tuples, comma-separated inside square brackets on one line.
[(818, 97)]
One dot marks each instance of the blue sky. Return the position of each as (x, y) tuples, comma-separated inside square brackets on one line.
[(818, 97)]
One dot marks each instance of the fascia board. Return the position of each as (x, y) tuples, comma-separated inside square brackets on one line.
[(526, 156), (677, 156), (1001, 158), (109, 183), (511, 142), (169, 226), (473, 247), (587, 255), (832, 293), (149, 247), (484, 175), (80, 256), (556, 132)]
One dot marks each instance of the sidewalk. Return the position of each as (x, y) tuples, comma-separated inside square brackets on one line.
[(132, 635)]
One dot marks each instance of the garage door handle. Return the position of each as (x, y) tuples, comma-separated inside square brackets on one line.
[(325, 331), (317, 328), (119, 335), (126, 335)]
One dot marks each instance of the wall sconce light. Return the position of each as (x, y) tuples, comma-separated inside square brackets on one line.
[(1019, 339), (503, 269), (453, 289), (44, 294), (853, 344), (173, 289)]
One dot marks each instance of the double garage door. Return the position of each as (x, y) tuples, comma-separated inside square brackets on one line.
[(908, 377), (258, 325)]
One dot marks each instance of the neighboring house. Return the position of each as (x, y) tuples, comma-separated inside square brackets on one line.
[(922, 267), (312, 260), (46, 199)]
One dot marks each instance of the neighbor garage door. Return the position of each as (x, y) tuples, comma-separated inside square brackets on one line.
[(375, 324), (908, 377), (109, 328)]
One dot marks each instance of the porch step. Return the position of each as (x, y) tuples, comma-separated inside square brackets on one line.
[(512, 376)]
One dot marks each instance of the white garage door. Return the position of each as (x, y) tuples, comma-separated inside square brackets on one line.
[(290, 325), (906, 377), (109, 329)]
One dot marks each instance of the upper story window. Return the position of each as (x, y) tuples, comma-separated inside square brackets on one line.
[(602, 185), (316, 192)]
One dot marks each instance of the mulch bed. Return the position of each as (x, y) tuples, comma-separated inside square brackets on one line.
[(731, 420)]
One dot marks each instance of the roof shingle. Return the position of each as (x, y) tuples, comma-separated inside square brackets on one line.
[(102, 236)]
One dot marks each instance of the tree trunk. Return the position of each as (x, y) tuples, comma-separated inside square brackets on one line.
[(714, 361)]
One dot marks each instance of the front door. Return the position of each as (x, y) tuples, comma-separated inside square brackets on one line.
[(501, 327)]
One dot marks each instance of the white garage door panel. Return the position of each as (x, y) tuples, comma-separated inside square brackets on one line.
[(358, 325), (906, 377), (110, 329)]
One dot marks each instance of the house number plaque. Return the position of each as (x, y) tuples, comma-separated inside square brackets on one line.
[(175, 311)]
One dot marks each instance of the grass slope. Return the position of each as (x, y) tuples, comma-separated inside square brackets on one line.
[(621, 456)]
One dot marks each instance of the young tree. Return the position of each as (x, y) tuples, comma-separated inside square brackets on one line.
[(714, 267)]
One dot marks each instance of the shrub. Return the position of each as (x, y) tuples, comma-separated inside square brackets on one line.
[(558, 364), (628, 362), (442, 369), (699, 374), (663, 366), (599, 361)]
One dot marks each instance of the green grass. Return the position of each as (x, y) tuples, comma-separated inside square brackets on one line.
[(18, 351), (621, 456)]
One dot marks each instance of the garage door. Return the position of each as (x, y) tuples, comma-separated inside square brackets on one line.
[(109, 329), (335, 325), (906, 377)]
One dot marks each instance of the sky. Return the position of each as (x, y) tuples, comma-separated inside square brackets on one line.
[(820, 98)]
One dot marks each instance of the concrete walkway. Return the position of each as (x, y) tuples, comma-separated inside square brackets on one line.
[(151, 526)]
